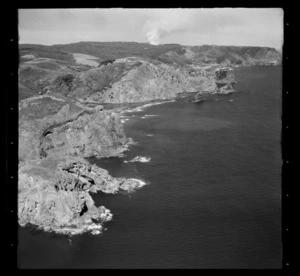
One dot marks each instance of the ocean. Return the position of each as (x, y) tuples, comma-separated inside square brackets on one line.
[(212, 197)]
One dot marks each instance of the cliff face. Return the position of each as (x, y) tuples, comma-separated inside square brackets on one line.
[(54, 195), (126, 80), (54, 179), (148, 81), (55, 126), (61, 210)]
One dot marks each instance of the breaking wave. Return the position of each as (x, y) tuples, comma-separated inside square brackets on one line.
[(141, 182), (141, 159), (141, 108)]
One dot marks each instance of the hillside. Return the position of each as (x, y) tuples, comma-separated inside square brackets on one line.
[(124, 80), (168, 53)]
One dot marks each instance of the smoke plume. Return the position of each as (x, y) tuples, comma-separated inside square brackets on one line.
[(154, 35), (164, 23)]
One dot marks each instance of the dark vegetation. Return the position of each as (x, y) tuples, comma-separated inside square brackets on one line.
[(219, 85), (178, 60), (25, 92), (109, 51), (97, 80), (221, 74), (65, 80), (43, 51), (106, 62), (102, 50), (32, 80), (48, 65)]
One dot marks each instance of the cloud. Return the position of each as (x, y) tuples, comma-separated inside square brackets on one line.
[(59, 19)]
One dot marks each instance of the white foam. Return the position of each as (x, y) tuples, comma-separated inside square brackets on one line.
[(231, 100), (137, 109), (157, 103), (151, 115), (141, 108), (141, 182), (141, 159), (149, 135), (96, 232), (95, 229)]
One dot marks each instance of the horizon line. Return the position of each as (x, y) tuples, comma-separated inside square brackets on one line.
[(278, 49)]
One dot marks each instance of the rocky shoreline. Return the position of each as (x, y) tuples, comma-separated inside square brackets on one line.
[(67, 116), (57, 197), (55, 180)]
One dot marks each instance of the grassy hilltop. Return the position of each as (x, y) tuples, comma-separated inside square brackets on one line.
[(168, 53)]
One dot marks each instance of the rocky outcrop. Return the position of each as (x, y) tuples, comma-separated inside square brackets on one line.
[(40, 203), (225, 81), (83, 176), (54, 195), (153, 82), (55, 134), (143, 81)]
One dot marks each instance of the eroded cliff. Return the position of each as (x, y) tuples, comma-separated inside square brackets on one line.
[(127, 80), (54, 178)]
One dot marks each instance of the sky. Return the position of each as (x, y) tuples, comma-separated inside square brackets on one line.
[(218, 26)]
